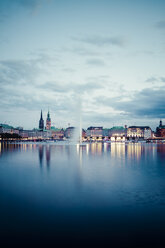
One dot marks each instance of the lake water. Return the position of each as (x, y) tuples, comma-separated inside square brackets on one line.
[(95, 195)]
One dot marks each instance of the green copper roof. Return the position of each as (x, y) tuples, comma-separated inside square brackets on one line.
[(55, 129), (6, 126), (117, 128)]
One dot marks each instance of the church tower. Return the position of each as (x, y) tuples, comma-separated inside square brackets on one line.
[(41, 122), (48, 122)]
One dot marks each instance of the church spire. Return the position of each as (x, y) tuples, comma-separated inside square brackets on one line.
[(41, 115), (48, 121), (48, 115), (41, 122)]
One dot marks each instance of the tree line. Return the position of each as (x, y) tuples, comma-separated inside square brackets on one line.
[(6, 136)]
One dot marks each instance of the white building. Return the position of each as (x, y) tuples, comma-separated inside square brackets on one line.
[(144, 132)]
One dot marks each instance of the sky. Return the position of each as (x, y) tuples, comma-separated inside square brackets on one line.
[(104, 59)]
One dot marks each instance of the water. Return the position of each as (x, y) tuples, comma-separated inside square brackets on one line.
[(94, 195)]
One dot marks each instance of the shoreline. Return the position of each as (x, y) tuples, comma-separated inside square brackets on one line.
[(69, 142)]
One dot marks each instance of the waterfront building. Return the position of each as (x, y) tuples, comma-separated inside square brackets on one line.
[(35, 134), (106, 132), (83, 134), (48, 122), (94, 133), (72, 132), (5, 128), (160, 130), (57, 133), (41, 122), (69, 131), (117, 133), (144, 132)]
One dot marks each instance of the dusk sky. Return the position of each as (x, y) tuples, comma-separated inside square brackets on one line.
[(101, 57)]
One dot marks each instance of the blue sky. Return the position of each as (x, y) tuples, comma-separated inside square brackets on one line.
[(105, 58)]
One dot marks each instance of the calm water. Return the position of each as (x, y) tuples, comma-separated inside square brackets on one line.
[(90, 196)]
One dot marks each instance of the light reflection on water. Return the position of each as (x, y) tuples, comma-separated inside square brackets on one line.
[(101, 165), (118, 183), (120, 151)]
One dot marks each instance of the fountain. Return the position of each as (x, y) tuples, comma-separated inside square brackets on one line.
[(76, 138)]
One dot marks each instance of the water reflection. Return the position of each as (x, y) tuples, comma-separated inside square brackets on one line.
[(161, 153), (41, 154), (48, 154), (135, 151), (114, 150), (96, 148), (118, 150), (89, 188), (79, 153), (7, 147)]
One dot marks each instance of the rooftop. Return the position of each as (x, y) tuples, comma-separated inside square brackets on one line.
[(117, 128), (94, 128), (142, 127), (6, 126), (162, 127)]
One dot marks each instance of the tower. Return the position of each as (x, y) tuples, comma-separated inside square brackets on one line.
[(160, 125), (41, 122), (48, 122)]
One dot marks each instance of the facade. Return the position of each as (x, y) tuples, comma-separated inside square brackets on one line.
[(160, 131), (35, 134), (4, 128), (57, 134), (48, 122), (41, 122), (94, 133), (69, 132), (73, 132), (83, 134), (106, 132), (144, 132), (117, 133)]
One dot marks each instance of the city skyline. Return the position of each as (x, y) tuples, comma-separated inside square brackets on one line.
[(47, 124), (102, 58)]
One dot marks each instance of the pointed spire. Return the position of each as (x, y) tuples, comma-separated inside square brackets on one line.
[(41, 122), (41, 114), (48, 121), (48, 115)]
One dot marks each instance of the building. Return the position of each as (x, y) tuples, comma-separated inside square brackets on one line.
[(48, 122), (35, 134), (83, 134), (106, 132), (69, 132), (144, 132), (160, 131), (41, 122), (57, 133), (5, 128), (117, 133), (74, 133), (94, 133)]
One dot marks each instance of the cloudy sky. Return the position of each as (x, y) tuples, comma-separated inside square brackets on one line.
[(104, 58)]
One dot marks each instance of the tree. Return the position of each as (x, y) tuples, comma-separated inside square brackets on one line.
[(6, 136)]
